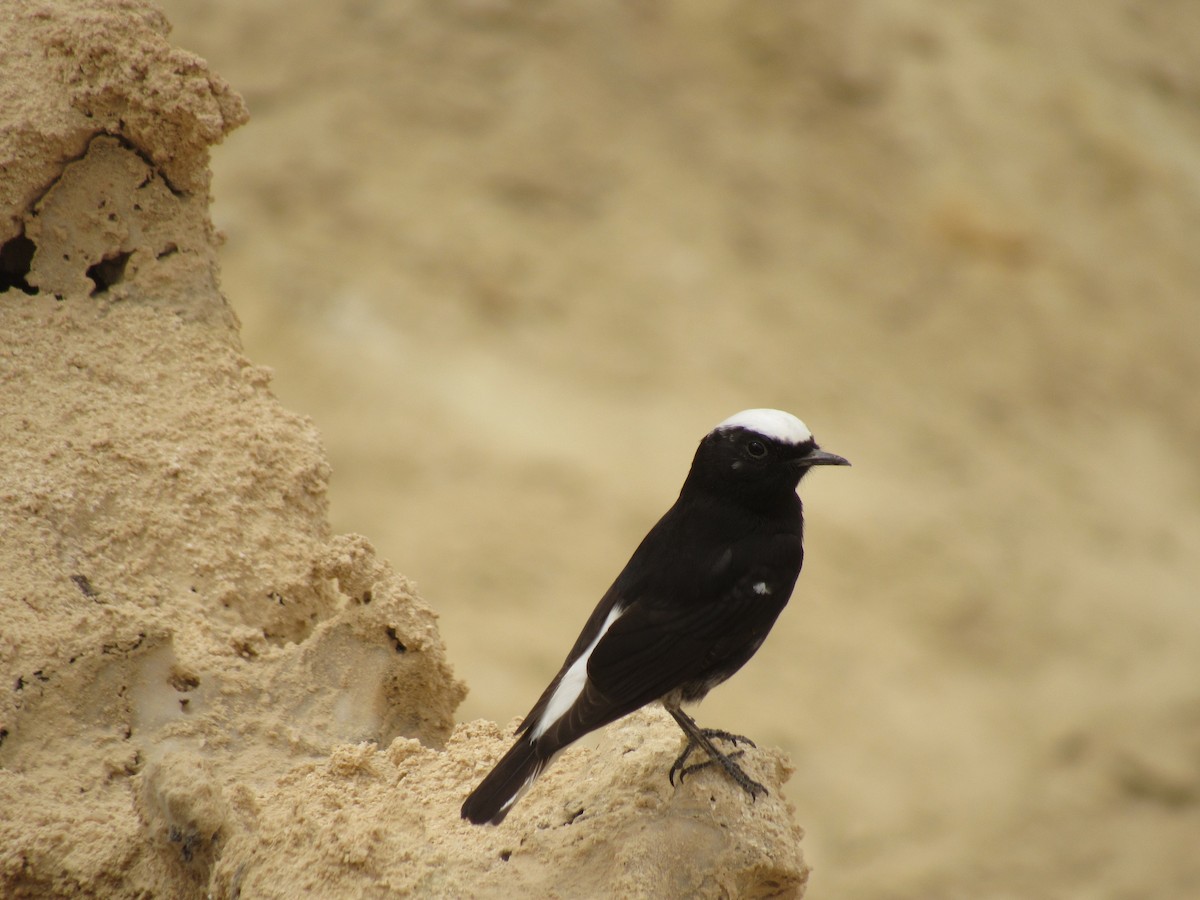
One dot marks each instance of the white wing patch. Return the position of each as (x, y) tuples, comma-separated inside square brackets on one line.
[(571, 685), (770, 423), (762, 588)]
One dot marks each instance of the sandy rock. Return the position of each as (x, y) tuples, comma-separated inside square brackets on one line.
[(204, 690), (602, 822)]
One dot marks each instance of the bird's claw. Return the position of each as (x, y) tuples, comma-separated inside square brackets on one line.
[(685, 771), (725, 761)]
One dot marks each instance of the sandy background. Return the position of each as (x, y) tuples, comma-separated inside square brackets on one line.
[(514, 260)]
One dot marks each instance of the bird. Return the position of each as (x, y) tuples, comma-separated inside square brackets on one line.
[(691, 607)]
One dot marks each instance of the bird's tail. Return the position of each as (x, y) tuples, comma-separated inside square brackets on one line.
[(504, 785)]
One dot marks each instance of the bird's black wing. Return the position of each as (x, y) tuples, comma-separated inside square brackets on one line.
[(643, 567), (661, 643)]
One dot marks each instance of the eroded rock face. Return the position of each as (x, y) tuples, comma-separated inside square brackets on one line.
[(179, 623), (204, 690), (601, 822), (107, 219)]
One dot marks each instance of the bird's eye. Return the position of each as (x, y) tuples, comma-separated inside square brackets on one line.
[(757, 449)]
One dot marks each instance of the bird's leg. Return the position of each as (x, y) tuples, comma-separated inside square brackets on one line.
[(703, 738)]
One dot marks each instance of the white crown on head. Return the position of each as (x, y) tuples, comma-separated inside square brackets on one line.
[(770, 423)]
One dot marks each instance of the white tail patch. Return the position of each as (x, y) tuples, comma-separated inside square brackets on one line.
[(525, 786), (528, 783), (762, 588), (570, 686)]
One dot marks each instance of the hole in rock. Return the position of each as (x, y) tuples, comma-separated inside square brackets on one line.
[(16, 256), (182, 680), (108, 271), (396, 642)]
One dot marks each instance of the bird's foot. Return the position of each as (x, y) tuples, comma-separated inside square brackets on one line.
[(710, 733), (716, 757), (685, 771)]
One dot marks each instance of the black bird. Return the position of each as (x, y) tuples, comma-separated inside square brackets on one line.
[(692, 605)]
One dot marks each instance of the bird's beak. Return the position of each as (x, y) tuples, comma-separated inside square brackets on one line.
[(820, 457)]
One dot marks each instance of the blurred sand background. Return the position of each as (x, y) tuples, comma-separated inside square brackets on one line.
[(515, 259)]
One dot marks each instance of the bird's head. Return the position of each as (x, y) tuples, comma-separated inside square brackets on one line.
[(759, 452)]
